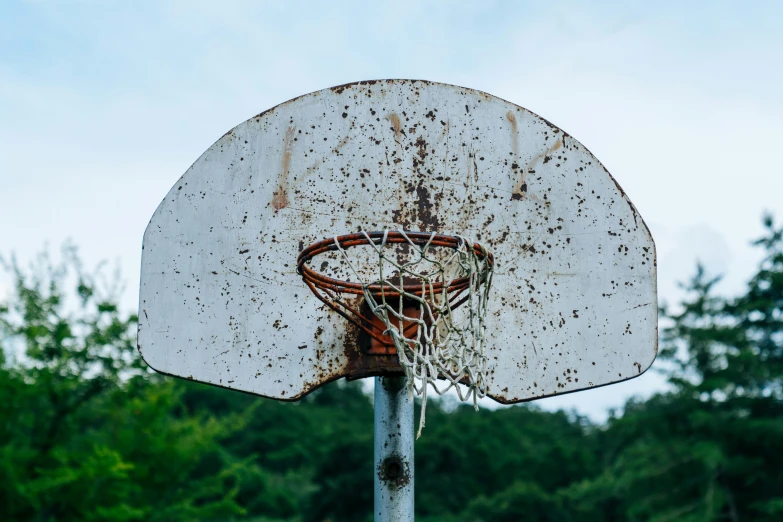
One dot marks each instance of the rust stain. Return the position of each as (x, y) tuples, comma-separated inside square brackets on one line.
[(520, 189), (395, 121), (359, 363), (422, 146), (280, 198), (340, 88), (514, 134), (445, 132), (419, 213), (394, 471)]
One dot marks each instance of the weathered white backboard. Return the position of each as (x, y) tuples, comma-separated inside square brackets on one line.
[(574, 292)]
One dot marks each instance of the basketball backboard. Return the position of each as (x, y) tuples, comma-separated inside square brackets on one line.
[(573, 300)]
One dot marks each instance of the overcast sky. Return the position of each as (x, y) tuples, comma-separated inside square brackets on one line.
[(103, 105)]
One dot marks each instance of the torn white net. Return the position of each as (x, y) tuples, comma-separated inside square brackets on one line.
[(450, 306)]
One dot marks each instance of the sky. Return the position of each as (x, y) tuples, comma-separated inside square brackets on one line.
[(104, 105)]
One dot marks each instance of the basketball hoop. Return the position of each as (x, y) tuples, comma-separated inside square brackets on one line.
[(415, 301), (220, 302)]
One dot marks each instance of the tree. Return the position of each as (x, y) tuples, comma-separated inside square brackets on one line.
[(713, 448), (86, 432)]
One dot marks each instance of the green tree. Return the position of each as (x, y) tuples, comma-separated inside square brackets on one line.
[(468, 460), (713, 448), (86, 433)]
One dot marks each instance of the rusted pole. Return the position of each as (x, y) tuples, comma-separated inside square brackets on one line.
[(393, 451)]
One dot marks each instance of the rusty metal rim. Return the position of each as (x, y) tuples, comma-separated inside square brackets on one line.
[(394, 237), (325, 287)]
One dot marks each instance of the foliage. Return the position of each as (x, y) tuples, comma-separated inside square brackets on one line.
[(713, 448), (87, 433)]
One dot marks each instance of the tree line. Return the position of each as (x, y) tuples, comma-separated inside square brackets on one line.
[(87, 433)]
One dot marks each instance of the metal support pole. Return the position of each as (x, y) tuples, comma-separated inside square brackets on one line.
[(393, 451)]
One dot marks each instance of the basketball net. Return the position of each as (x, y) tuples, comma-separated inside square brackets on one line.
[(447, 342)]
